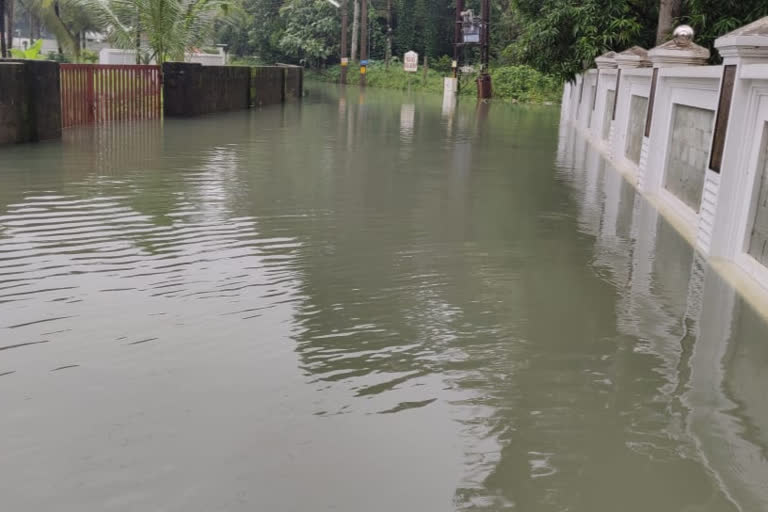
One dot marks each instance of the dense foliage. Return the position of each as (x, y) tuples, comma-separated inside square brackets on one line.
[(556, 37)]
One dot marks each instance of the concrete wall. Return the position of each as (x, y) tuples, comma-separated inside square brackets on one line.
[(128, 57), (267, 86), (688, 153), (191, 89), (30, 101), (13, 102), (294, 83), (698, 153)]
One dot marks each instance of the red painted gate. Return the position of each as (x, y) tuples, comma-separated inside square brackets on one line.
[(99, 93)]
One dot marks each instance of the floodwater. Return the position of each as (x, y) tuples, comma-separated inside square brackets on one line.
[(363, 304)]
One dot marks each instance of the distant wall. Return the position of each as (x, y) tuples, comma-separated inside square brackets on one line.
[(128, 57), (30, 101), (192, 89), (294, 78)]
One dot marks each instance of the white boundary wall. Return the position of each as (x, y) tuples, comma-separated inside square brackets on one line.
[(721, 227), (128, 57)]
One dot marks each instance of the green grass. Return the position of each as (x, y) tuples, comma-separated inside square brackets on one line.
[(513, 83)]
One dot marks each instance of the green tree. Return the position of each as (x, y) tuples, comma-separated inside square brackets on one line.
[(311, 32), (562, 37), (713, 18)]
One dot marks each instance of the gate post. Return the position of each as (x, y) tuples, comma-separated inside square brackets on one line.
[(89, 94)]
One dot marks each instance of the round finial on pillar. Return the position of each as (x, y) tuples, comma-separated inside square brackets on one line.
[(683, 35)]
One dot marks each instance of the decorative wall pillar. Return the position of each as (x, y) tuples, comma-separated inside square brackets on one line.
[(586, 96), (632, 58), (605, 76), (738, 152), (678, 52)]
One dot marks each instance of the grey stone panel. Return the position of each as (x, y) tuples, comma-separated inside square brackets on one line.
[(638, 109), (688, 153), (610, 97)]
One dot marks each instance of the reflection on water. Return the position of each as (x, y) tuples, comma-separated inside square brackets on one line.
[(360, 303)]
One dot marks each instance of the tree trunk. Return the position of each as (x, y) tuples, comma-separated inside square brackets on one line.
[(3, 49), (388, 53), (57, 12), (355, 31), (669, 10), (9, 23), (138, 36)]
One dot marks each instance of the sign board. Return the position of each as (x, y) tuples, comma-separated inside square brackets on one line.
[(411, 62), (344, 61)]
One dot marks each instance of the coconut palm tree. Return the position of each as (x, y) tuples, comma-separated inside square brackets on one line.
[(160, 30), (68, 20)]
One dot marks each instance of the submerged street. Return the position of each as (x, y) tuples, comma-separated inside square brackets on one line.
[(363, 303)]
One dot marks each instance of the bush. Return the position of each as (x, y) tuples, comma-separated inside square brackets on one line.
[(516, 83), (443, 65), (523, 83), (89, 56)]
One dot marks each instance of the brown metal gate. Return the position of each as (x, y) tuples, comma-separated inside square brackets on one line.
[(99, 93)]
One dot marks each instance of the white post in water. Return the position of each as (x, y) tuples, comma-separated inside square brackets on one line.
[(450, 90)]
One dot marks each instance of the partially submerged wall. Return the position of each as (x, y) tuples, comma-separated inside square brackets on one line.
[(267, 85), (191, 89), (30, 101), (294, 78), (691, 137)]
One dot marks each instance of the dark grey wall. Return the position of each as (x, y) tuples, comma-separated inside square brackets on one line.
[(192, 89), (30, 101), (267, 85), (294, 78)]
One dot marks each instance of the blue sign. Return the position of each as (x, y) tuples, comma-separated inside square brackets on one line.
[(363, 62)]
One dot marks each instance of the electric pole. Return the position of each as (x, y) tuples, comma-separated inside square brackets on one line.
[(457, 37), (484, 81)]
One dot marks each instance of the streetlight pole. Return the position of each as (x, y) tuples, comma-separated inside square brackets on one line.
[(363, 41)]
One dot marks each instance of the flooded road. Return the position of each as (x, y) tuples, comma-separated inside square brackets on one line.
[(363, 304)]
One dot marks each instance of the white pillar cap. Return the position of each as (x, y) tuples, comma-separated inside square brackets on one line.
[(635, 57), (748, 41), (606, 61)]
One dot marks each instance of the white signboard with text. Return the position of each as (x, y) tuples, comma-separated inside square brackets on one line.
[(411, 62)]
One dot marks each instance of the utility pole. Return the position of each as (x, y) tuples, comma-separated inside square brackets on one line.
[(363, 41), (457, 37), (484, 81), (344, 54)]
